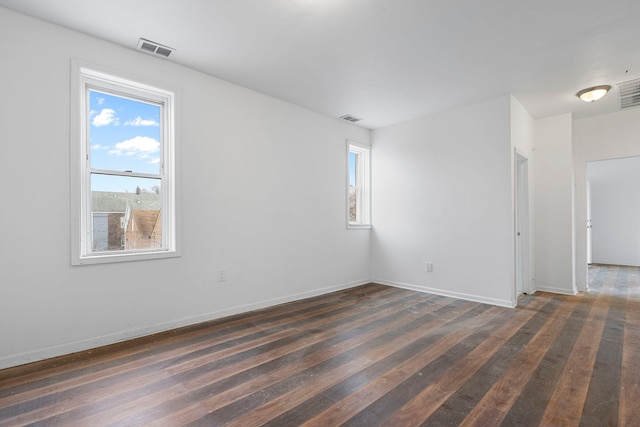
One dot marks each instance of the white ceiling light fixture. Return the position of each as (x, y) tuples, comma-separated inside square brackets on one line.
[(592, 94)]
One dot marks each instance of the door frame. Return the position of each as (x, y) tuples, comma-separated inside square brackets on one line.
[(589, 247), (522, 238)]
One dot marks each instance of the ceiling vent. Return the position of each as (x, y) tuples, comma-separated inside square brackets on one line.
[(350, 118), (154, 48), (629, 93)]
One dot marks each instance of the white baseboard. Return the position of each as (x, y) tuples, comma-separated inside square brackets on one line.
[(555, 290), (616, 264), (94, 342), (442, 292)]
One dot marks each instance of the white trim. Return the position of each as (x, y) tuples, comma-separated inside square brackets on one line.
[(89, 343), (86, 76), (554, 290), (521, 222), (352, 226), (457, 295), (363, 177)]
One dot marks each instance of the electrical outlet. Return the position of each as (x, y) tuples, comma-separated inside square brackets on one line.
[(222, 275), (430, 267)]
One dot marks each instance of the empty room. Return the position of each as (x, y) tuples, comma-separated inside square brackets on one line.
[(319, 212)]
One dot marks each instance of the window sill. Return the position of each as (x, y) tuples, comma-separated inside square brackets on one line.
[(113, 258), (358, 226)]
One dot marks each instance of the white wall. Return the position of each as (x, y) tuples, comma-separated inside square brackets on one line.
[(442, 193), (615, 211), (522, 143), (263, 196), (522, 130), (603, 137), (553, 205)]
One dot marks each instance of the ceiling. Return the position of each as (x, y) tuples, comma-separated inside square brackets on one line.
[(386, 61)]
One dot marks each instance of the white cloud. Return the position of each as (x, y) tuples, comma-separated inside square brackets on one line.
[(139, 121), (141, 146), (154, 161), (106, 117), (99, 147), (100, 101)]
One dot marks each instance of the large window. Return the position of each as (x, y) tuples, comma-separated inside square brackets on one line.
[(124, 186), (358, 194)]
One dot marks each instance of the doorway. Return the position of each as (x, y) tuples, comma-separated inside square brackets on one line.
[(521, 232), (589, 261), (613, 212)]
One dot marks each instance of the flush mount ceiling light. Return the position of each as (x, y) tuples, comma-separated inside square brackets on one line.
[(593, 94)]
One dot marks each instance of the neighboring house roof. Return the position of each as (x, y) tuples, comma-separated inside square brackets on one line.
[(109, 201), (145, 222)]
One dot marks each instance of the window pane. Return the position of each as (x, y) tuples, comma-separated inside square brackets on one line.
[(124, 134), (353, 204), (353, 164), (354, 198), (125, 213)]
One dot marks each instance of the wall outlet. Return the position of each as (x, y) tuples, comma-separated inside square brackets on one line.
[(222, 275), (430, 267)]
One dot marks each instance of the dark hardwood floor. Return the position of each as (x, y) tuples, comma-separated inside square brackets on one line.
[(368, 356)]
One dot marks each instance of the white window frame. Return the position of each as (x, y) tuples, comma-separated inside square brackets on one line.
[(84, 76), (363, 191)]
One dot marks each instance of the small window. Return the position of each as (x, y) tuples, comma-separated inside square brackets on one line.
[(358, 194), (124, 187)]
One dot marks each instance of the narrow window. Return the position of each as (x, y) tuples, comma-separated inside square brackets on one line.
[(358, 194), (125, 181)]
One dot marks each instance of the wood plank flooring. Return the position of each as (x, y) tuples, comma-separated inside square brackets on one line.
[(368, 356)]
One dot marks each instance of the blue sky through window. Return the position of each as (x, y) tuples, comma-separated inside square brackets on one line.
[(353, 158), (124, 136)]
